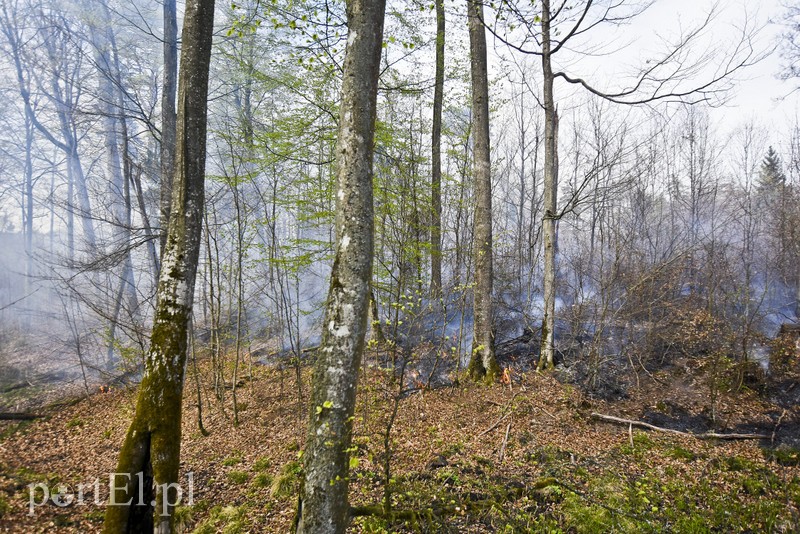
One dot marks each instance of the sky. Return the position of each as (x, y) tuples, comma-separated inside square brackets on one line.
[(757, 93)]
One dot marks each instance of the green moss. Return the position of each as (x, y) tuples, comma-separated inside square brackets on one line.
[(642, 444), (786, 456), (679, 453), (735, 463)]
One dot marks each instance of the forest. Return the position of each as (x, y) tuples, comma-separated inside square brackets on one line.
[(379, 266)]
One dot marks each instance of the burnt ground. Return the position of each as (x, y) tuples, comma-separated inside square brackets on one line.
[(521, 457)]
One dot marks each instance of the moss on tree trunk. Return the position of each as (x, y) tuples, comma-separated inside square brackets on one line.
[(482, 365), (322, 506), (151, 450)]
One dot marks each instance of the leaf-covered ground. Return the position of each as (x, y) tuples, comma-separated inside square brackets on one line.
[(525, 457)]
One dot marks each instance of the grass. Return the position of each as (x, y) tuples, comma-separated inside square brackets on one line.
[(238, 477), (232, 460), (262, 464), (76, 422)]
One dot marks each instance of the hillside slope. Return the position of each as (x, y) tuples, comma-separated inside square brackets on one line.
[(526, 457)]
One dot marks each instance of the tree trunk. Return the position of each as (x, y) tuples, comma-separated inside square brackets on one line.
[(436, 157), (546, 359), (323, 507), (482, 363), (168, 114), (118, 165), (152, 445)]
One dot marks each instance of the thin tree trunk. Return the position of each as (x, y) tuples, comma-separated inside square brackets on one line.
[(153, 439), (546, 359), (168, 113), (436, 156), (323, 506), (482, 365), (136, 179)]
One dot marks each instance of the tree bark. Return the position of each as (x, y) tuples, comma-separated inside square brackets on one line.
[(168, 113), (482, 365), (118, 165), (546, 359), (436, 156), (152, 445), (323, 506)]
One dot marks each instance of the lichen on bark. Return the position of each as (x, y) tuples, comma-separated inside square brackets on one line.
[(152, 444), (322, 505)]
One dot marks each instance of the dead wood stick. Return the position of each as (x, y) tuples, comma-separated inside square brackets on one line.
[(501, 419), (505, 442), (705, 435), (495, 425), (18, 416), (775, 430)]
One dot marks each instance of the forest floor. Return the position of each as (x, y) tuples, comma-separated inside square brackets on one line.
[(521, 457)]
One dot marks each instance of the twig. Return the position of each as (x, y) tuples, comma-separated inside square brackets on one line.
[(775, 430), (505, 442), (495, 425), (548, 413), (705, 435), (502, 417)]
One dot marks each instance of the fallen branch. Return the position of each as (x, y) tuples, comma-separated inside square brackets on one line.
[(501, 419), (705, 435), (18, 416), (775, 430), (503, 446), (495, 425)]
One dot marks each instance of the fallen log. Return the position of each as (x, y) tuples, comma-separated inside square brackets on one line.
[(18, 416), (705, 435)]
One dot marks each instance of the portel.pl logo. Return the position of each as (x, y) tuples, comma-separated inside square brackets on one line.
[(64, 495)]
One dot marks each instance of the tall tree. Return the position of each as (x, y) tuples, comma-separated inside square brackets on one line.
[(772, 175), (152, 444), (12, 23), (549, 220), (436, 156), (483, 364), (168, 113), (323, 507), (544, 31)]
